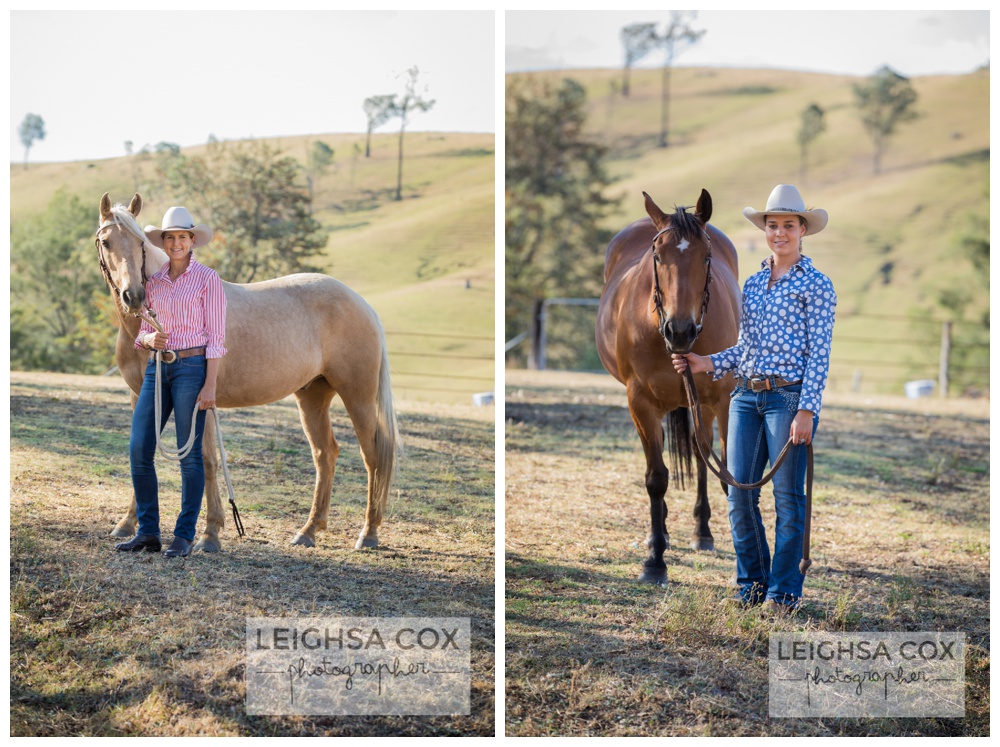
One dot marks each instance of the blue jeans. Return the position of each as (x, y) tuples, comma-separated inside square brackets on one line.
[(759, 423), (180, 383)]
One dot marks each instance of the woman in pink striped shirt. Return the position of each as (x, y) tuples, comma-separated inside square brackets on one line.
[(190, 304)]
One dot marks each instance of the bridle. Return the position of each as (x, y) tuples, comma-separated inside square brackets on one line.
[(703, 440), (658, 294), (99, 243)]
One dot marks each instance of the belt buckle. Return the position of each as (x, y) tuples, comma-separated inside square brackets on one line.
[(173, 356), (760, 383)]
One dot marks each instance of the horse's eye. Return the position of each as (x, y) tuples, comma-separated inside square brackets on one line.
[(104, 243)]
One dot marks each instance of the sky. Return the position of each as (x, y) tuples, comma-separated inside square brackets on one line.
[(100, 78), (851, 42)]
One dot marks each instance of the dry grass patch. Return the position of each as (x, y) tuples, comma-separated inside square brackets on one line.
[(136, 645), (900, 543)]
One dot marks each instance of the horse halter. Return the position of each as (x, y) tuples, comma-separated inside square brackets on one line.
[(99, 243), (658, 295)]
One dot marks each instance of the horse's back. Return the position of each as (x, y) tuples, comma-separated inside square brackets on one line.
[(283, 333)]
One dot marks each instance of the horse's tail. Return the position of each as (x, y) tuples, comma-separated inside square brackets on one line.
[(680, 443), (388, 446)]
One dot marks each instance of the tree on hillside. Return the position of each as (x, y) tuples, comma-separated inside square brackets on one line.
[(254, 199), (678, 36), (812, 125), (884, 101), (402, 107), (318, 159), (57, 322), (32, 128), (378, 111), (555, 182), (638, 39)]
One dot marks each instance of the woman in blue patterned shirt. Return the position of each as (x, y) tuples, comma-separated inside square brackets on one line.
[(781, 361)]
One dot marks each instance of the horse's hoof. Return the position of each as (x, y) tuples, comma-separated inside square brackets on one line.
[(208, 545), (301, 539), (656, 576), (366, 542), (121, 532), (703, 543)]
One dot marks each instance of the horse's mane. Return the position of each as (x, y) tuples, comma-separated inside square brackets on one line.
[(684, 225)]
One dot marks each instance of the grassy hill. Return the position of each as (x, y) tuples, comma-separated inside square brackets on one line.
[(890, 247), (425, 263)]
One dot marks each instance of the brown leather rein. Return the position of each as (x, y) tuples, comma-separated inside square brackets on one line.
[(703, 441)]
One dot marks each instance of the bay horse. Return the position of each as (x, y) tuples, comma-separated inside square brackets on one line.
[(659, 274), (307, 335)]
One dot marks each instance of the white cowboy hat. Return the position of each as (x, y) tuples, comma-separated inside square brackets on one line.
[(786, 199), (178, 219)]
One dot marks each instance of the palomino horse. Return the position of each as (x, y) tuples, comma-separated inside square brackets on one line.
[(658, 276), (307, 335)]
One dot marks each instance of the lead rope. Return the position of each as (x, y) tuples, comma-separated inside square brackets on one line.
[(178, 454), (719, 469)]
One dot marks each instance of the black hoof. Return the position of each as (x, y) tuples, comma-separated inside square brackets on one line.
[(703, 543), (656, 576)]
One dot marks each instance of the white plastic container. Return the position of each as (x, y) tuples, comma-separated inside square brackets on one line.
[(483, 398), (919, 388)]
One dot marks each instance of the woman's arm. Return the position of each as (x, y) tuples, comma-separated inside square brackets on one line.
[(206, 397)]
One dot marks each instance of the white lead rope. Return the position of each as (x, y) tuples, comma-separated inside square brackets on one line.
[(178, 454)]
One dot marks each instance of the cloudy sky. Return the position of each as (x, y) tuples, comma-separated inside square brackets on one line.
[(854, 42), (99, 78)]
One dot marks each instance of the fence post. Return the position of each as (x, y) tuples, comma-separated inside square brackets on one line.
[(945, 358), (536, 358)]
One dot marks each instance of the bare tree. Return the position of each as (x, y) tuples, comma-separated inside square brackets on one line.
[(378, 110), (884, 100), (638, 39), (812, 125), (402, 107), (678, 36)]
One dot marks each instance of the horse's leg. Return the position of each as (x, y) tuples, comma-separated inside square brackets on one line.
[(314, 411), (702, 538), (647, 419), (127, 525), (214, 516), (365, 421)]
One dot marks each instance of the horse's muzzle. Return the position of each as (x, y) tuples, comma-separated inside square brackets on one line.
[(679, 334), (132, 298)]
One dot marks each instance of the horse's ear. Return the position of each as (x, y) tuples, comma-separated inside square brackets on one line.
[(135, 206), (105, 208), (703, 211), (660, 219)]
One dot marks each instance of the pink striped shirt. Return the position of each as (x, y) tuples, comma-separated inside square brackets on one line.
[(191, 309)]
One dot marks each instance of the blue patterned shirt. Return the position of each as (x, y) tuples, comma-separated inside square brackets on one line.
[(785, 331)]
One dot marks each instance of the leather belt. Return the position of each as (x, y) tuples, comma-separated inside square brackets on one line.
[(764, 383), (186, 353)]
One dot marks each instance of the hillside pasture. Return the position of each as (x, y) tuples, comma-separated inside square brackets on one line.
[(109, 644), (892, 246), (900, 542), (425, 263)]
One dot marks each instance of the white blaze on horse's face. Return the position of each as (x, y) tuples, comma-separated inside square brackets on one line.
[(683, 244)]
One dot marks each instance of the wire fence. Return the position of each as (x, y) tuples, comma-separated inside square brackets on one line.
[(881, 350), (409, 364)]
